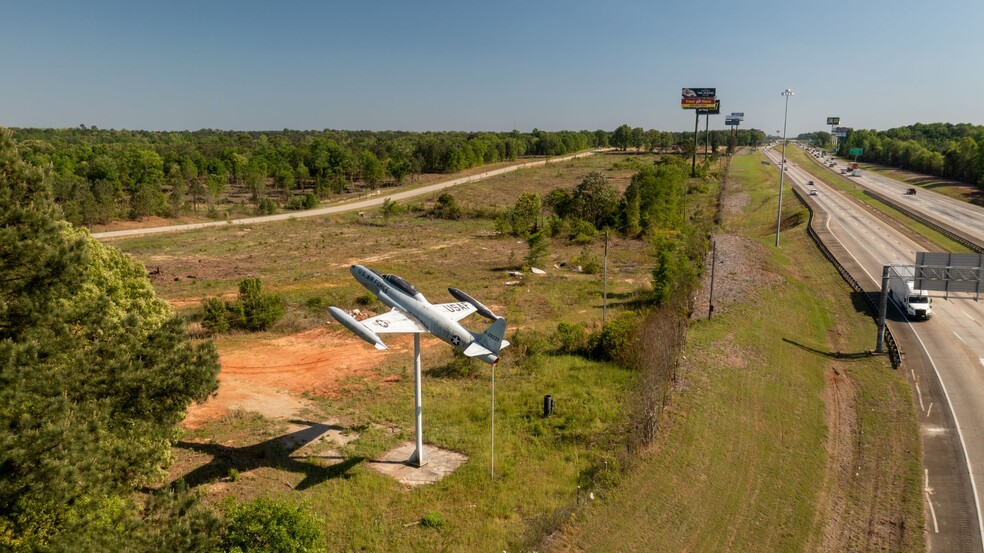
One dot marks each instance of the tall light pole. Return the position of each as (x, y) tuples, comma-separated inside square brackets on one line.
[(782, 167)]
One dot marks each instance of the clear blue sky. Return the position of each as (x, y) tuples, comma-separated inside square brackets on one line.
[(458, 65)]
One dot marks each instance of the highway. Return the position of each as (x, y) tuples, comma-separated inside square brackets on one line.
[(951, 343), (962, 217)]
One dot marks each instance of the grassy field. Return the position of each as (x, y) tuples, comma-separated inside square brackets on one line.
[(784, 434), (540, 462), (844, 184)]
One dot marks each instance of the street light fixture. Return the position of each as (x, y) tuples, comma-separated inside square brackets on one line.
[(782, 167)]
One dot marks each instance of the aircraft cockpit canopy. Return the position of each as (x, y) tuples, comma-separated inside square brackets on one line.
[(403, 285)]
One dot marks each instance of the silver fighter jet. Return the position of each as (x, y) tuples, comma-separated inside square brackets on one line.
[(412, 313)]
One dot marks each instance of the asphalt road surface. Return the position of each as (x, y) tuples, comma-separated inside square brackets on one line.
[(950, 345)]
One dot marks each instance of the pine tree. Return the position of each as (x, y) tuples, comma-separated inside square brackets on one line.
[(95, 375)]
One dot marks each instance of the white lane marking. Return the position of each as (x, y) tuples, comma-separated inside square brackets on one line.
[(930, 410), (919, 393), (927, 490)]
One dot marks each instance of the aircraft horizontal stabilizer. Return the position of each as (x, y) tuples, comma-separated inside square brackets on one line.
[(476, 349)]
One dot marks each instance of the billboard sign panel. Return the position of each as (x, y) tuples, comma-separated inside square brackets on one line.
[(731, 121), (699, 93), (738, 115), (833, 120), (841, 132), (698, 103), (711, 111)]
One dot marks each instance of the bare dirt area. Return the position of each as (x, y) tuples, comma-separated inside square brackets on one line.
[(273, 376), (841, 522)]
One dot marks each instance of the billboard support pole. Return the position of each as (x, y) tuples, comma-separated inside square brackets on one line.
[(707, 134), (693, 164)]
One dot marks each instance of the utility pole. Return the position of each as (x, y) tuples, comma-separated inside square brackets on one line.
[(604, 286), (782, 168)]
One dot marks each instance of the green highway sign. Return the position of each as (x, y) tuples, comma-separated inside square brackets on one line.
[(856, 151)]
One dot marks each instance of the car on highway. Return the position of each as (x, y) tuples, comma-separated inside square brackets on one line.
[(813, 191), (809, 183)]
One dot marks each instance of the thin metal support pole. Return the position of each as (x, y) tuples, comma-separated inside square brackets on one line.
[(492, 465), (418, 457), (604, 285)]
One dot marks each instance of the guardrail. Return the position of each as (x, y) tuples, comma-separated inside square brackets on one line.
[(952, 235), (895, 353)]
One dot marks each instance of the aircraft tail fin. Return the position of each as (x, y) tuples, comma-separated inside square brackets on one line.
[(492, 338)]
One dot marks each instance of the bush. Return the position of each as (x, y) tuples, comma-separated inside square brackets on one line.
[(308, 201), (259, 310), (583, 232), (570, 338), (616, 341), (589, 263), (270, 526), (254, 310), (214, 318), (266, 207), (446, 208)]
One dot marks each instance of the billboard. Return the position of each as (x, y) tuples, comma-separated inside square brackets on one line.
[(731, 121), (740, 115), (833, 120), (698, 98), (711, 111), (698, 103), (841, 132), (700, 93)]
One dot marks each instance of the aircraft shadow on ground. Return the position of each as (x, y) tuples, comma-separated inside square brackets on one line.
[(273, 453), (830, 354)]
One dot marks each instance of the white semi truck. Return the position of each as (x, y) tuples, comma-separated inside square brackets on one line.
[(914, 303)]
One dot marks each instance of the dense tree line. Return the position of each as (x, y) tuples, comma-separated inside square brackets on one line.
[(102, 175), (625, 137), (941, 149)]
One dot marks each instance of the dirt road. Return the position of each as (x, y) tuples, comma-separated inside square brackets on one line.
[(374, 201)]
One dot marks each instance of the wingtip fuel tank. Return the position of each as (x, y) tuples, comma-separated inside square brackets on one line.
[(349, 322), (480, 308)]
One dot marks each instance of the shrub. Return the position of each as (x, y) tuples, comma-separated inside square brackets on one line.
[(616, 341), (254, 310), (214, 318), (259, 310), (589, 263), (583, 232), (570, 338), (270, 526), (266, 206), (446, 208)]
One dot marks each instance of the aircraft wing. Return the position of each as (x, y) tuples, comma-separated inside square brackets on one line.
[(393, 321), (457, 310)]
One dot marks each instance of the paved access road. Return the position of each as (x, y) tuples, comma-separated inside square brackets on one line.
[(945, 356), (376, 200)]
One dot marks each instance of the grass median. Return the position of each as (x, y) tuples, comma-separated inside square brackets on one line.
[(784, 434)]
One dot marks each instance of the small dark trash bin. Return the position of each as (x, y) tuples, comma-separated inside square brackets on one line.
[(548, 405)]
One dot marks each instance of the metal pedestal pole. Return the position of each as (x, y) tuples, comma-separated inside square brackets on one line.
[(418, 457)]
